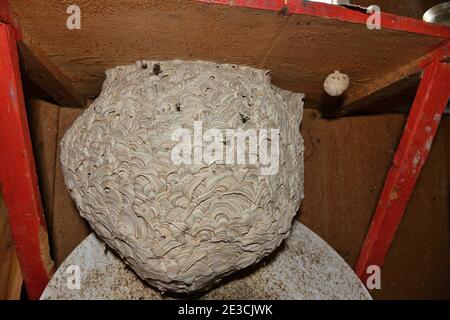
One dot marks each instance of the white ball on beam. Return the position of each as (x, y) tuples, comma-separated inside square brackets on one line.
[(336, 84)]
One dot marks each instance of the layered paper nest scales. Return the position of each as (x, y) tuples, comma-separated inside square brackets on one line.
[(183, 227)]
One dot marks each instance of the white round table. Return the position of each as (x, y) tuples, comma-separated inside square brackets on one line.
[(304, 267)]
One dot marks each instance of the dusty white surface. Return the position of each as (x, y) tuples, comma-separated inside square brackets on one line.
[(305, 267), (183, 227)]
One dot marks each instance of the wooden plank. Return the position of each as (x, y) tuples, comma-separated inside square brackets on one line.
[(68, 228), (423, 121), (38, 66), (6, 16), (344, 173), (346, 162), (388, 21), (417, 265), (446, 129), (389, 85), (18, 175), (11, 275), (43, 124), (301, 46), (47, 75)]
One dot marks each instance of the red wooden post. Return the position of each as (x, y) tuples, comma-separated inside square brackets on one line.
[(432, 97), (18, 178)]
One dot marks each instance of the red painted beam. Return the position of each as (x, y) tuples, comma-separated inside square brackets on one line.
[(6, 16), (388, 21), (423, 121), (18, 178)]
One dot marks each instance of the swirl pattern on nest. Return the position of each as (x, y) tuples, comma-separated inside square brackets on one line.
[(182, 228)]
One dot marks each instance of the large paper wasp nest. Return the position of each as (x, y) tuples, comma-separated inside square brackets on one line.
[(183, 227)]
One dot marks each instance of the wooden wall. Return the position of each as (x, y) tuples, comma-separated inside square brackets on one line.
[(345, 166), (346, 162), (48, 123), (10, 273)]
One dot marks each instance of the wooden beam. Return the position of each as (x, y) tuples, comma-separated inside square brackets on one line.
[(69, 229), (18, 177), (48, 76), (8, 18), (40, 69), (293, 43), (11, 275), (391, 84), (388, 21), (43, 118), (415, 144)]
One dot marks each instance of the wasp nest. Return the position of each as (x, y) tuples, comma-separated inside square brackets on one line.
[(184, 226)]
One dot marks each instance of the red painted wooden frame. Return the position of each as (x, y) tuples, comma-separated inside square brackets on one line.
[(6, 16), (423, 121), (388, 21), (19, 182), (17, 172)]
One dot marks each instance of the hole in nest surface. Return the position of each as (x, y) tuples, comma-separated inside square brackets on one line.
[(156, 69)]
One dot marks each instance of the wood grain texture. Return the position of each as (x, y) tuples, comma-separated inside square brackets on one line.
[(300, 50), (418, 263), (48, 123), (346, 162), (69, 229), (11, 275), (414, 147), (43, 123), (392, 84), (45, 73)]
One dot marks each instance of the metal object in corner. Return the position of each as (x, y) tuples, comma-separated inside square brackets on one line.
[(439, 14)]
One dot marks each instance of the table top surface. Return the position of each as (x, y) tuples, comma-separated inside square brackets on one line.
[(304, 267)]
